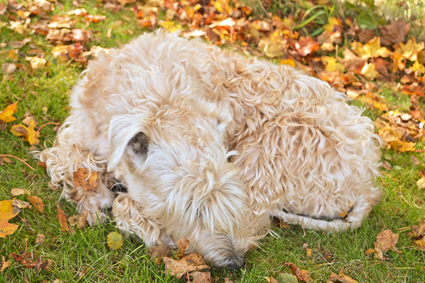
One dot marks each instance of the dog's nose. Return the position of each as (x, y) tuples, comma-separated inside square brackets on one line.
[(235, 263)]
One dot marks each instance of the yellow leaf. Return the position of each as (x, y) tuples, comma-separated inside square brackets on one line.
[(332, 22), (332, 64), (418, 67), (114, 240), (6, 115), (23, 14), (37, 63), (371, 49), (287, 62), (421, 183), (369, 71), (402, 146), (410, 50), (29, 133), (170, 26), (6, 213)]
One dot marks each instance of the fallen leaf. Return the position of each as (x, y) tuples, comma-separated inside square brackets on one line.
[(40, 239), (6, 115), (78, 220), (17, 192), (287, 278), (306, 46), (4, 264), (301, 274), (385, 241), (271, 280), (371, 49), (8, 68), (332, 64), (37, 203), (394, 33), (369, 71), (421, 183), (341, 277), (27, 259), (62, 220), (158, 252), (114, 240), (178, 268), (410, 50), (20, 204), (202, 277), (37, 63), (181, 247), (6, 213), (387, 165), (329, 27), (29, 133), (85, 179)]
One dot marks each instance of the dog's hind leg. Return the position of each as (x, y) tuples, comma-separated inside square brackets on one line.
[(353, 220), (63, 160), (131, 219)]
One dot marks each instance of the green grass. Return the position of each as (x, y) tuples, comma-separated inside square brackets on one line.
[(84, 255)]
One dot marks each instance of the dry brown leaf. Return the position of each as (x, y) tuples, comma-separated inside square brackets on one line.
[(301, 274), (202, 277), (178, 268), (86, 180), (62, 220), (78, 220), (394, 33), (27, 259), (386, 240), (158, 252), (341, 277), (4, 264), (20, 204), (37, 203), (306, 46), (17, 192), (385, 164), (181, 247), (40, 239)]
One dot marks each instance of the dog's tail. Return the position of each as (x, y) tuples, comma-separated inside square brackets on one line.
[(353, 220)]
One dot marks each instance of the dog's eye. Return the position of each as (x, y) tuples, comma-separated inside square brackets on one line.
[(139, 144)]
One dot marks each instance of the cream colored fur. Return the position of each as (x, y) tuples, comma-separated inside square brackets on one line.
[(232, 141)]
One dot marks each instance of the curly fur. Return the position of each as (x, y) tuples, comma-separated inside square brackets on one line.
[(210, 144)]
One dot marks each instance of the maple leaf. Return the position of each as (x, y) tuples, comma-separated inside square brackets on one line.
[(410, 50), (6, 213), (29, 133), (306, 46), (85, 179), (331, 23), (369, 71), (170, 26), (371, 49), (341, 277), (332, 64), (6, 115), (394, 33)]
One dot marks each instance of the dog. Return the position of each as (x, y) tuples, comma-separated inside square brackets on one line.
[(210, 145)]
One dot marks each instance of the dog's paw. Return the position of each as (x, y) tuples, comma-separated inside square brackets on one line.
[(96, 217)]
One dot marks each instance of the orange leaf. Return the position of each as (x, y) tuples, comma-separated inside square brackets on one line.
[(6, 115), (37, 202), (85, 180), (62, 220), (6, 213)]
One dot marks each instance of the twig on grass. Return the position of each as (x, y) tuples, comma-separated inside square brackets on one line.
[(8, 155)]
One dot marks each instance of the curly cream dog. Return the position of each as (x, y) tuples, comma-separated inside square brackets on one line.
[(210, 145)]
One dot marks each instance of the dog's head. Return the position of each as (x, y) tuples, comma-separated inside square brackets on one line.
[(175, 164)]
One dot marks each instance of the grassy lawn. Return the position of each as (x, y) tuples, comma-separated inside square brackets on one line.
[(84, 256)]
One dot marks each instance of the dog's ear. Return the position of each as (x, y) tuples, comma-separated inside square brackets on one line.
[(126, 130)]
